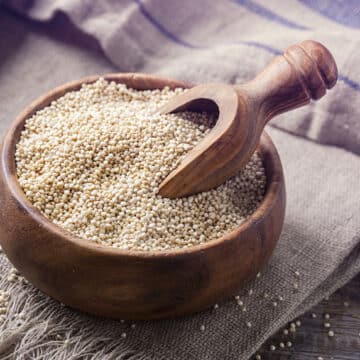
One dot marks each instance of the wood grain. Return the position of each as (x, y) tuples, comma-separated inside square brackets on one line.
[(311, 340), (303, 73), (130, 284)]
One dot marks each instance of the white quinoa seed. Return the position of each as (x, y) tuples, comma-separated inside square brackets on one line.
[(4, 303), (92, 162), (240, 303), (331, 333)]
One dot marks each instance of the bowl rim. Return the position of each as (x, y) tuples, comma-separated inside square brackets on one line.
[(8, 168)]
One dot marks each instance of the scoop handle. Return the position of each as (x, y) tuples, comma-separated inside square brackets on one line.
[(291, 80)]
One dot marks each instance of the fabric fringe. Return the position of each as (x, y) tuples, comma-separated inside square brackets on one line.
[(50, 330)]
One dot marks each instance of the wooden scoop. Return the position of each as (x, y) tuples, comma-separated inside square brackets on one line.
[(291, 80)]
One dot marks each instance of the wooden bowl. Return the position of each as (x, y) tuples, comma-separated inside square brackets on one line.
[(132, 284)]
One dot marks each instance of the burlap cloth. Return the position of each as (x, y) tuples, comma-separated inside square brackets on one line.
[(199, 41)]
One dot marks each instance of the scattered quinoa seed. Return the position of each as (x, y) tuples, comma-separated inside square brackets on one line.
[(123, 335), (257, 357), (289, 344), (327, 316), (282, 345), (4, 303), (21, 316), (92, 162), (327, 325), (202, 328), (298, 323), (272, 347)]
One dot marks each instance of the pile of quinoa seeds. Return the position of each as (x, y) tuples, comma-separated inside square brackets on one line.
[(92, 162)]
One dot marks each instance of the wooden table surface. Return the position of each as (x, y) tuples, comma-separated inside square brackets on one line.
[(311, 340)]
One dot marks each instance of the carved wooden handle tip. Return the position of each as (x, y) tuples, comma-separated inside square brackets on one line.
[(323, 59), (314, 66)]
